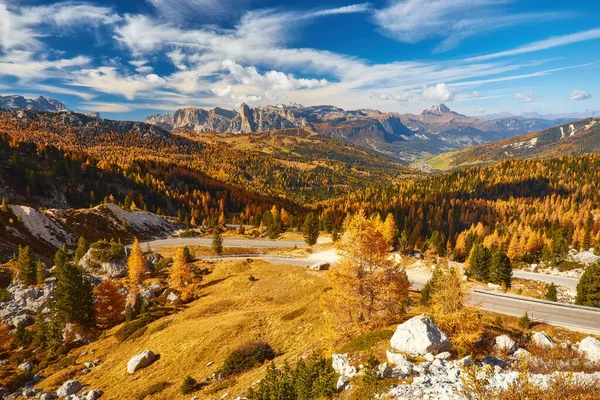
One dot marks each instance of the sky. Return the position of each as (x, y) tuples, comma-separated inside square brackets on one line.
[(129, 59)]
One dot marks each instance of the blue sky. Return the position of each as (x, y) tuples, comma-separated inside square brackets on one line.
[(127, 59)]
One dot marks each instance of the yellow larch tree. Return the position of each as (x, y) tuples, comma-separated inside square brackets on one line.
[(137, 266), (180, 273), (368, 288)]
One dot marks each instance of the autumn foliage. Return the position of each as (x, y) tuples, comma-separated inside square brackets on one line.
[(109, 305), (137, 266), (368, 288)]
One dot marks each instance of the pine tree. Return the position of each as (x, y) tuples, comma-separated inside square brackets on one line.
[(82, 248), (40, 272), (188, 256), (73, 296), (217, 242), (479, 262), (500, 268), (60, 258), (136, 265), (551, 293), (180, 273), (436, 241), (110, 304), (588, 288), (27, 267), (310, 229)]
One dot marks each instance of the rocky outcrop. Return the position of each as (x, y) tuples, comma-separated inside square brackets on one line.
[(39, 104), (94, 266), (140, 361), (24, 302), (504, 343), (341, 365), (419, 336), (542, 339)]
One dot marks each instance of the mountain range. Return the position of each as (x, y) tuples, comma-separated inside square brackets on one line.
[(408, 137), (40, 104), (573, 138)]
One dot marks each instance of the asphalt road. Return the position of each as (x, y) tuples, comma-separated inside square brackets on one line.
[(578, 319), (227, 242), (574, 318), (558, 280)]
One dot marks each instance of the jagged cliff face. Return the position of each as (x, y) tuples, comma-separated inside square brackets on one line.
[(39, 104)]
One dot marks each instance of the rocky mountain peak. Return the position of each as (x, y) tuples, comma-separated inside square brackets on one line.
[(437, 110)]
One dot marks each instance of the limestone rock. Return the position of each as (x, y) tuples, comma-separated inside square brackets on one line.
[(505, 343), (140, 361), (542, 339), (419, 336), (68, 388), (590, 347)]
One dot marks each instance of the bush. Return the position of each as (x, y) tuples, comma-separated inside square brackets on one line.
[(4, 295), (314, 379), (524, 321), (189, 385), (129, 328), (246, 357), (162, 264), (366, 341), (551, 294), (154, 389), (108, 252)]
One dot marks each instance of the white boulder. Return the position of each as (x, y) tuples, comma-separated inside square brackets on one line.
[(94, 394), (340, 364), (542, 339), (140, 361), (384, 371), (590, 347), (68, 388), (419, 336), (505, 343)]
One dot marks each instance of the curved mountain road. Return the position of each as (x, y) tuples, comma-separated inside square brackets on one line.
[(585, 320)]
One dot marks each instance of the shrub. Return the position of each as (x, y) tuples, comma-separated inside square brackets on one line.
[(551, 292), (366, 341), (162, 264), (154, 389), (310, 380), (4, 295), (246, 357), (189, 385), (524, 321), (129, 328)]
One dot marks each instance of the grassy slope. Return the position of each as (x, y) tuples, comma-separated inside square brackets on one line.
[(232, 310)]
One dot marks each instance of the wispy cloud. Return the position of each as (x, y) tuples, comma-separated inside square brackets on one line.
[(540, 45), (525, 97), (452, 21)]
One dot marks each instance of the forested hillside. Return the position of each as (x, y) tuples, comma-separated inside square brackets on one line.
[(308, 167)]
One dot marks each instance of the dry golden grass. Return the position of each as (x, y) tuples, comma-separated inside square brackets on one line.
[(232, 310)]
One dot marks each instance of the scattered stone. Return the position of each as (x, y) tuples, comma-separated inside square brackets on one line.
[(444, 356), (494, 286), (23, 319), (542, 339), (494, 361), (48, 396), (342, 382), (320, 266), (521, 354), (419, 336), (140, 361), (590, 347), (172, 298), (395, 358), (505, 343), (384, 371), (68, 388), (89, 365), (465, 362), (429, 357), (340, 364), (208, 364), (94, 394), (26, 366)]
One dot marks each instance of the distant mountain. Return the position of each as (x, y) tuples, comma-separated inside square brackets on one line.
[(575, 116), (405, 136), (573, 138), (40, 104)]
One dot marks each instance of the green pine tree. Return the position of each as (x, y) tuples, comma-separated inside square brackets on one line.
[(40, 272), (60, 258), (310, 229), (187, 254), (82, 248), (500, 270), (217, 242), (479, 262), (551, 294), (588, 288), (73, 296), (27, 268)]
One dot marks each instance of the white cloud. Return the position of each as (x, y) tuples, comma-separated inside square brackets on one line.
[(109, 80), (351, 9), (412, 21), (475, 94), (440, 93), (579, 95), (525, 97)]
